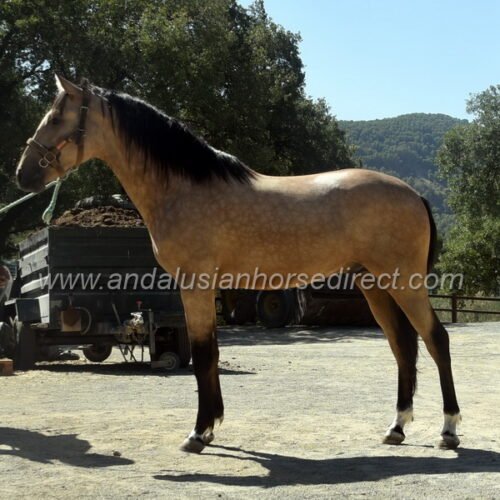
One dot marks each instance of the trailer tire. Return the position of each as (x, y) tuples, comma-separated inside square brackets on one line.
[(26, 347), (170, 361), (97, 353), (275, 308), (183, 347)]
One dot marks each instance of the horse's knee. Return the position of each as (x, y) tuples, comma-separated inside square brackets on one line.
[(210, 405), (205, 355)]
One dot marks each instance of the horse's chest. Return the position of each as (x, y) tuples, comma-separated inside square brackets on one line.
[(175, 245)]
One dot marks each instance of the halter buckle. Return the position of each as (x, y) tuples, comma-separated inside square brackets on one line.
[(43, 162), (47, 159)]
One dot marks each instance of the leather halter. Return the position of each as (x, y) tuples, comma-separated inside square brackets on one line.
[(50, 156)]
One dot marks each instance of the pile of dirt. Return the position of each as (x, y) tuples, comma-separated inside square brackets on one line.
[(105, 216)]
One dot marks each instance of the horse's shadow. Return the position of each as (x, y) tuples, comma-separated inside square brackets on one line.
[(66, 448), (287, 470)]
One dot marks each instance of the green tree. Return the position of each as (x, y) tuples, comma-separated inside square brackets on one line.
[(470, 162)]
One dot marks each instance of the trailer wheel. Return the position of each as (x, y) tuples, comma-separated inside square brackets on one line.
[(275, 308), (169, 361), (183, 347), (98, 353), (25, 350)]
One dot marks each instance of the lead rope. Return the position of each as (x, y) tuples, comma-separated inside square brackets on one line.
[(24, 198), (49, 211)]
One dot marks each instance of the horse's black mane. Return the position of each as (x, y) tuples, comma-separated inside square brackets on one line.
[(167, 145)]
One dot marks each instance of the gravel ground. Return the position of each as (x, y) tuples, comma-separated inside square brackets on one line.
[(305, 414)]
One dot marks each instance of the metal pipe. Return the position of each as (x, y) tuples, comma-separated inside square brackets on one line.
[(25, 198)]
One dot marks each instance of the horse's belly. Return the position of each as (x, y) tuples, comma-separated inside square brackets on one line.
[(301, 251)]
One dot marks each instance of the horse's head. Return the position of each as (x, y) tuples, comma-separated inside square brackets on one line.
[(64, 138)]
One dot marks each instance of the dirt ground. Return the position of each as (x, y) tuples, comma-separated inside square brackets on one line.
[(305, 414)]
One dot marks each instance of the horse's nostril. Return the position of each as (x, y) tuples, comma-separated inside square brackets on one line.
[(20, 177), (30, 179)]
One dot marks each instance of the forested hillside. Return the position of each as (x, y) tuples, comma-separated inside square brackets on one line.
[(405, 146)]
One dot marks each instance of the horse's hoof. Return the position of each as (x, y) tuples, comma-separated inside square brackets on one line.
[(449, 441), (208, 438), (393, 436), (193, 445)]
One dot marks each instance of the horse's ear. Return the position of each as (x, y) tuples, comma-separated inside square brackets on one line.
[(64, 85)]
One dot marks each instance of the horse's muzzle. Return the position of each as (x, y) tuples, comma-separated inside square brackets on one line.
[(31, 178)]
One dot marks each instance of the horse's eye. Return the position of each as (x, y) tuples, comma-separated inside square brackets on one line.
[(56, 120)]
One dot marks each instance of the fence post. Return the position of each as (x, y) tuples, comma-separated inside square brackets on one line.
[(454, 311)]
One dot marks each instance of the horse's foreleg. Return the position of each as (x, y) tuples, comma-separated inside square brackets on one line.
[(199, 307), (402, 338)]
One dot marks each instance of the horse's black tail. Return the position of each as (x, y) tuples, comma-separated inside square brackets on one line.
[(431, 258)]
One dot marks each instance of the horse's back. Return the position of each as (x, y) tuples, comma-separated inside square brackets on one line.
[(351, 192), (336, 180)]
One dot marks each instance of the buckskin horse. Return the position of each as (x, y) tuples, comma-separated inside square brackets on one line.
[(208, 213)]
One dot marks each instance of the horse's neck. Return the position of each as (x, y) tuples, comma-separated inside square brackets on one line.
[(146, 188), (149, 190)]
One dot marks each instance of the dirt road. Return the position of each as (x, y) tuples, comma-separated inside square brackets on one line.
[(305, 414)]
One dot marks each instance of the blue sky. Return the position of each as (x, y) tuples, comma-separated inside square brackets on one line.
[(379, 58)]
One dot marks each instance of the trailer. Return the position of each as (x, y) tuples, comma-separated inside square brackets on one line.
[(337, 302), (93, 288)]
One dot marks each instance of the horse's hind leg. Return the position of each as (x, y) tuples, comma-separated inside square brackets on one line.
[(402, 338), (417, 307), (199, 307)]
